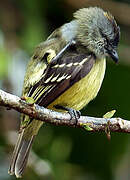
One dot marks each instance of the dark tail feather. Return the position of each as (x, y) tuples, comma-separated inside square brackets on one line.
[(20, 155)]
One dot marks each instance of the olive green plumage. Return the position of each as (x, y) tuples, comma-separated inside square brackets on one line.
[(67, 69)]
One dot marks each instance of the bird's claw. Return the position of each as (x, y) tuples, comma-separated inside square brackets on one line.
[(75, 114)]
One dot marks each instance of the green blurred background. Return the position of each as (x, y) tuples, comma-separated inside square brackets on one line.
[(64, 153)]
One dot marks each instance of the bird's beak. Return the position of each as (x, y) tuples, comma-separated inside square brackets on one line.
[(113, 54)]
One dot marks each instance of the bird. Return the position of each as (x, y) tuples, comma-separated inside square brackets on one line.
[(66, 72)]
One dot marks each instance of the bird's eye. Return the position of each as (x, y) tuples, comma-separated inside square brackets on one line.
[(106, 41), (116, 41)]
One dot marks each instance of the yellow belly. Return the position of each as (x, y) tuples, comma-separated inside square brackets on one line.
[(82, 92)]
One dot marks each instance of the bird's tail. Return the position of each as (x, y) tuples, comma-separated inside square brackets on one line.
[(22, 147), (20, 155)]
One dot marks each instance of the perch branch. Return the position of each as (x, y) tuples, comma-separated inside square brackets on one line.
[(57, 118)]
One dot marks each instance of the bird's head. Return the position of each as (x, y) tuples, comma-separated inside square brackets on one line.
[(98, 31)]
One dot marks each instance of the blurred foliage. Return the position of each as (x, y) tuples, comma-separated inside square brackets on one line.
[(64, 153)]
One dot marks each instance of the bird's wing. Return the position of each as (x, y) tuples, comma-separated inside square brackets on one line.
[(57, 78)]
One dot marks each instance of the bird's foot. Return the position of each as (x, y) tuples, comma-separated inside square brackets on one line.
[(75, 115)]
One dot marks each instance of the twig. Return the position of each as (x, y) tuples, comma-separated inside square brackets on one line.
[(56, 118)]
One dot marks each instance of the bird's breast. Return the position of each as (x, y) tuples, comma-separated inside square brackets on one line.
[(83, 91)]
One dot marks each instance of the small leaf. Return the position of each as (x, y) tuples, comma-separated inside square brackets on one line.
[(25, 122), (30, 100), (86, 126), (109, 114)]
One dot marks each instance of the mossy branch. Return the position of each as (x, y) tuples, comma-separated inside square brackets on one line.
[(89, 123)]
